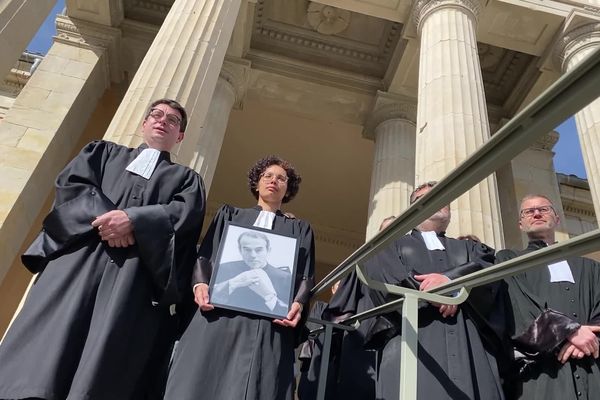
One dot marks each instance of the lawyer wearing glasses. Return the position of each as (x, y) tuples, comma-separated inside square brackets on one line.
[(226, 354)]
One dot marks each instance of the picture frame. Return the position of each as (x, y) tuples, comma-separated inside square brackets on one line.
[(254, 271)]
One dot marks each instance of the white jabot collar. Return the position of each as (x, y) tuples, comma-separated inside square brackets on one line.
[(560, 271), (145, 163), (432, 241), (265, 219)]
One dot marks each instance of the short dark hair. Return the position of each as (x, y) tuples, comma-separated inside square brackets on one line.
[(173, 104), (294, 179), (421, 186), (253, 234)]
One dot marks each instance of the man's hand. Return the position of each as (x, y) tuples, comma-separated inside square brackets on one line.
[(263, 285), (201, 297), (585, 340), (115, 227), (243, 279), (127, 240), (293, 316), (569, 350), (429, 281)]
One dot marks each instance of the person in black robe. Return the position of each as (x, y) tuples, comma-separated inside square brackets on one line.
[(556, 315), (226, 354), (114, 257), (352, 369), (457, 346), (310, 353)]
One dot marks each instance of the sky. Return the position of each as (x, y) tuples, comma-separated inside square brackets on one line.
[(568, 158)]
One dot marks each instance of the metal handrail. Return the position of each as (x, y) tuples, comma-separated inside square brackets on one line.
[(569, 94), (562, 99)]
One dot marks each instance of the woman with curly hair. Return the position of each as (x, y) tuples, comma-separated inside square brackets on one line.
[(226, 354)]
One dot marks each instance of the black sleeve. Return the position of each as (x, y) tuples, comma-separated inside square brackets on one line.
[(78, 201), (533, 327), (164, 232)]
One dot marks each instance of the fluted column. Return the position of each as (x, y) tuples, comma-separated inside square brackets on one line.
[(42, 130), (572, 48), (183, 63), (392, 127), (19, 21), (228, 94), (452, 119)]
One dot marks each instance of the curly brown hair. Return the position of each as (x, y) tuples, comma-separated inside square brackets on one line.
[(294, 179)]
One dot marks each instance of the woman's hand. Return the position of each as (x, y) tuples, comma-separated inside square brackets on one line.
[(293, 316), (201, 297)]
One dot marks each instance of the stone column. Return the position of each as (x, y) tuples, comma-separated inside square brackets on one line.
[(42, 129), (452, 119), (573, 47), (228, 94), (183, 63), (392, 127), (19, 21)]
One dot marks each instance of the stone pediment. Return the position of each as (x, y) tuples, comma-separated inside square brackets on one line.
[(325, 35)]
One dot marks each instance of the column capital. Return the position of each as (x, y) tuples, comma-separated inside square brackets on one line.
[(236, 72), (89, 35), (546, 142), (575, 40), (424, 8), (390, 106)]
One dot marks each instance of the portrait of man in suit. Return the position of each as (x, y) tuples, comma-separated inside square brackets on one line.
[(252, 283)]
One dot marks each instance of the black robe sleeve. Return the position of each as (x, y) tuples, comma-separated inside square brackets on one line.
[(534, 328), (159, 229), (305, 271), (77, 203)]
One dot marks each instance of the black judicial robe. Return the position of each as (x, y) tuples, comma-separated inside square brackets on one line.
[(226, 354), (310, 360), (454, 360), (353, 367), (571, 304), (96, 324)]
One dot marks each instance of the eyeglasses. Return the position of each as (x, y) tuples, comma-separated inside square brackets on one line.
[(267, 176), (158, 114), (530, 212)]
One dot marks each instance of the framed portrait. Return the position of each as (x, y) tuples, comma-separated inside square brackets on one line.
[(254, 271)]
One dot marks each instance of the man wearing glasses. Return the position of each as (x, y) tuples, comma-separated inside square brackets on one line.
[(556, 310), (113, 259)]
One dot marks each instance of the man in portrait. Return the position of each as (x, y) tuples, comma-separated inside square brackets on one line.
[(252, 283)]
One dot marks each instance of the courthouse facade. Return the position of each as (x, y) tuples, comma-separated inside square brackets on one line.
[(365, 97)]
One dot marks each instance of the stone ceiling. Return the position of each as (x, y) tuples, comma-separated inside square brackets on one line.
[(310, 33), (325, 35)]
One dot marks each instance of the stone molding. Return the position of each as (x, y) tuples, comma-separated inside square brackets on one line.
[(337, 48), (579, 210), (326, 19), (89, 35), (236, 72), (572, 42), (424, 8), (389, 106)]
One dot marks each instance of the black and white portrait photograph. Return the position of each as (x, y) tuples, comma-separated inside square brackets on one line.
[(254, 271)]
